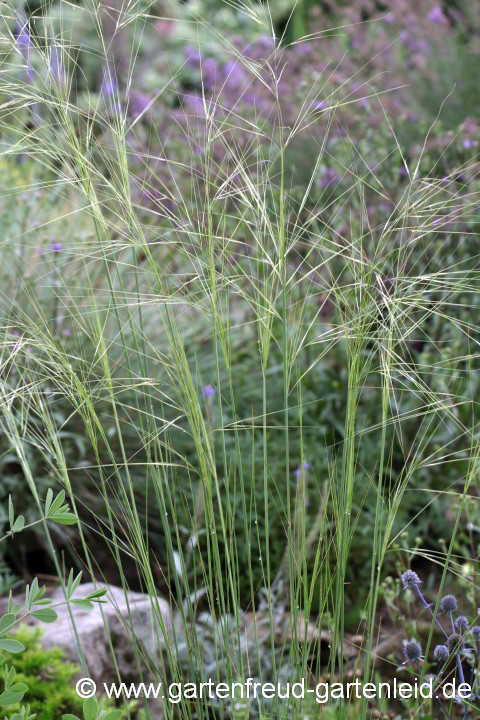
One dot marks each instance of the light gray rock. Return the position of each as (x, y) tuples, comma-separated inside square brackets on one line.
[(125, 621)]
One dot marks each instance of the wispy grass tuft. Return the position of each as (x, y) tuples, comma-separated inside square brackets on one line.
[(116, 313)]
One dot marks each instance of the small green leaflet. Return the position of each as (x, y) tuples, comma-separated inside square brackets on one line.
[(65, 518), (83, 604), (90, 709), (113, 715), (45, 615), (6, 622), (19, 524), (13, 695), (11, 646), (97, 594)]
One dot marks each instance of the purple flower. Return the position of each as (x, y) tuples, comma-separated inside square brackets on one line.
[(193, 57), (436, 15), (467, 144), (138, 103), (209, 73), (209, 391), (461, 624), (448, 603), (56, 66), (109, 89), (298, 471), (56, 247), (67, 332), (40, 251), (413, 652), (410, 579), (109, 84), (454, 642), (236, 76), (330, 176), (24, 43), (441, 653)]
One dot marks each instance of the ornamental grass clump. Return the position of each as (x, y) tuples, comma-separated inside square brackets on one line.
[(457, 657), (266, 342)]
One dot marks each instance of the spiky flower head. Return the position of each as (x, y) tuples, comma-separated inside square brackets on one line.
[(454, 642), (410, 579), (413, 651), (441, 653), (476, 632), (448, 603), (461, 624)]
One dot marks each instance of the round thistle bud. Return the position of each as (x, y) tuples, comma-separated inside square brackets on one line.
[(440, 654), (461, 624), (454, 642), (448, 603), (476, 634), (413, 651), (410, 579)]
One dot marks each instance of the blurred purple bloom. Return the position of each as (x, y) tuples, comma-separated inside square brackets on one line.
[(209, 73), (209, 391), (109, 84), (436, 15), (414, 44), (236, 77), (109, 89), (56, 247), (193, 57), (330, 176), (412, 117), (298, 471), (303, 48), (194, 103), (24, 43), (40, 251), (56, 66), (67, 332), (138, 103), (385, 206), (260, 48), (467, 144)]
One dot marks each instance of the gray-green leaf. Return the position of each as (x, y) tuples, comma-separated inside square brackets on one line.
[(83, 604), (11, 646), (113, 715), (48, 500), (66, 518), (90, 709), (58, 502), (6, 622), (45, 615), (13, 695), (19, 524)]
